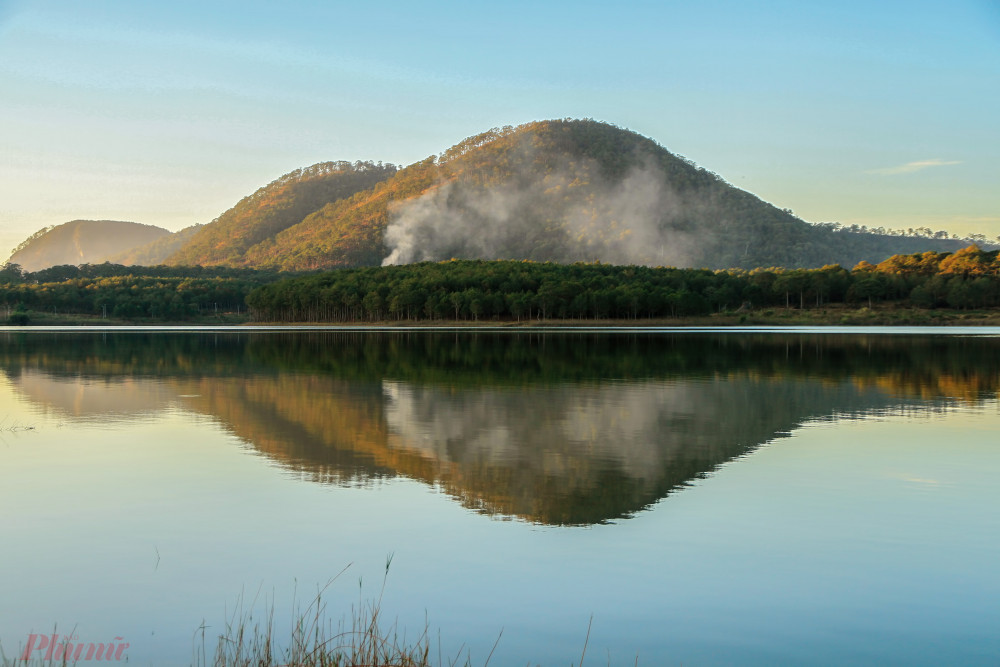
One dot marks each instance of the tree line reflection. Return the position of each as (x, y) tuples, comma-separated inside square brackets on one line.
[(556, 428)]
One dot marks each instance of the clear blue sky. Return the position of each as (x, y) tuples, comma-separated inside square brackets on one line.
[(877, 113)]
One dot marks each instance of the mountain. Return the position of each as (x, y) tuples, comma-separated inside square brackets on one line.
[(275, 207), (157, 251), (563, 191), (82, 242)]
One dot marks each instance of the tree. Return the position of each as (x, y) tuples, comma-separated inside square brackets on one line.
[(969, 261), (11, 274), (373, 304), (867, 287)]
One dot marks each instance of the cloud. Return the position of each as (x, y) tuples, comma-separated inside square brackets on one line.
[(911, 167), (921, 481)]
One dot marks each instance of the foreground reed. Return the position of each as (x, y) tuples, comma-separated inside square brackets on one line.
[(316, 641), (249, 640)]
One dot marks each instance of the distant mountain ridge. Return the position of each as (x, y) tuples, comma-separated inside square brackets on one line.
[(82, 242), (562, 191), (559, 190)]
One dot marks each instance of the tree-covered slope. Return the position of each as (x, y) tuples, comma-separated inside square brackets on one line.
[(82, 242), (564, 191), (158, 251), (347, 232), (553, 190), (275, 207)]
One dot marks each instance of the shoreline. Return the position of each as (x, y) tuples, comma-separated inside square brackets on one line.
[(834, 315)]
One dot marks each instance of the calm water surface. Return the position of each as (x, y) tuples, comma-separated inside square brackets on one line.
[(706, 498)]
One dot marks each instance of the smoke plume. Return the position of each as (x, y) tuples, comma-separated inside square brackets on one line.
[(566, 214)]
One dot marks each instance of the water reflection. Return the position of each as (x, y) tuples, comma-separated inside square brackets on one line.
[(87, 399), (552, 428)]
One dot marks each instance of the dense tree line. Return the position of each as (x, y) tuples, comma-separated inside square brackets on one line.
[(127, 292), (474, 290), (910, 232), (510, 290)]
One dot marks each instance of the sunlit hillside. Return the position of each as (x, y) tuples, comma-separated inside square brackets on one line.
[(82, 242), (564, 191)]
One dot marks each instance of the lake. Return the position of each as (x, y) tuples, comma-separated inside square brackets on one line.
[(752, 497)]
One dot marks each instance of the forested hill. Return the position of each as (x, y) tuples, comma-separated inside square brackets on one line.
[(81, 242), (275, 207), (157, 251), (564, 191)]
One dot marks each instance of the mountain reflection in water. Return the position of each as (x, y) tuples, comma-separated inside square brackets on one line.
[(557, 428)]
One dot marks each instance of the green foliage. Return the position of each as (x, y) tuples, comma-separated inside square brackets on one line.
[(11, 274), (510, 290), (19, 317), (159, 293), (476, 290)]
